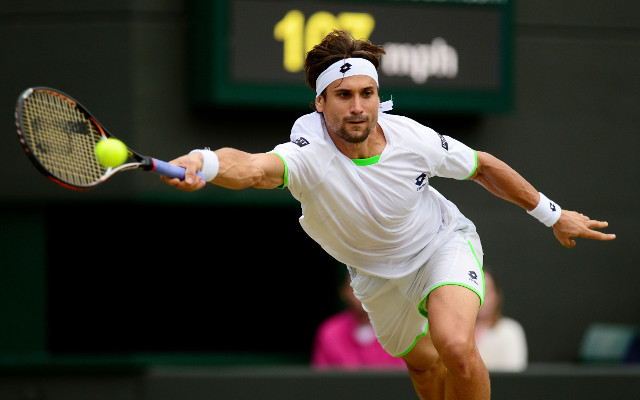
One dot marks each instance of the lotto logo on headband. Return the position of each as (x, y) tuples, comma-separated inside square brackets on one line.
[(345, 68)]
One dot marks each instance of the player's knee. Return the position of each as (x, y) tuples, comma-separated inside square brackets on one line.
[(459, 353), (423, 363), (426, 372), (423, 359)]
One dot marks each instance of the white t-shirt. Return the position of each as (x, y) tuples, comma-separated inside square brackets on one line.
[(381, 216), (504, 347)]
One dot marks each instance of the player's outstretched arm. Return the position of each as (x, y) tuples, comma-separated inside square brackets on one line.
[(235, 169), (504, 182)]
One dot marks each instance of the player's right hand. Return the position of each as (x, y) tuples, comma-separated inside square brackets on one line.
[(192, 164)]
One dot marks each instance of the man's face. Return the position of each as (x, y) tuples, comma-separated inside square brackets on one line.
[(351, 107)]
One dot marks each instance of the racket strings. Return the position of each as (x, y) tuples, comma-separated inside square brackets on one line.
[(62, 138)]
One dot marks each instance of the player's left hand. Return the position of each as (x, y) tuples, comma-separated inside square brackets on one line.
[(573, 225)]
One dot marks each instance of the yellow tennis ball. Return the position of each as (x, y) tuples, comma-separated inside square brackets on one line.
[(111, 152)]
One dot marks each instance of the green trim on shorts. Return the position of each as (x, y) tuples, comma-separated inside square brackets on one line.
[(422, 305), (474, 290), (473, 251), (426, 329), (475, 167), (285, 177)]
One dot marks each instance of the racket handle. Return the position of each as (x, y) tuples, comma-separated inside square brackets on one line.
[(170, 170)]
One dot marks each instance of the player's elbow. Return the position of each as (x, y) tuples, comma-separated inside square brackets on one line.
[(266, 183), (485, 162)]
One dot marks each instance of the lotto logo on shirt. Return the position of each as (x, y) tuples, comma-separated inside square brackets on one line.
[(301, 141), (421, 181), (444, 143)]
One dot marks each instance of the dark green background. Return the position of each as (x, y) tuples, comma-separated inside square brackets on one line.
[(572, 131)]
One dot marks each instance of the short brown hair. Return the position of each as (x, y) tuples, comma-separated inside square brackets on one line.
[(338, 45)]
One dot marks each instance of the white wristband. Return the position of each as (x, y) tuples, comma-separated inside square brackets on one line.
[(546, 211), (210, 163)]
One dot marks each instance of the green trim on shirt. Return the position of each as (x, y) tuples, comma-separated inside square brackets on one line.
[(285, 177), (361, 162), (475, 155)]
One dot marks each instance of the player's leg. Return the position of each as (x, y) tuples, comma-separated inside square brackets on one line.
[(426, 370), (452, 311), (451, 299), (401, 328)]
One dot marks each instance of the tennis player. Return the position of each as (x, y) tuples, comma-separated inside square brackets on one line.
[(362, 178)]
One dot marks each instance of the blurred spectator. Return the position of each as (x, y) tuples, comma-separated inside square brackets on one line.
[(501, 340), (347, 341)]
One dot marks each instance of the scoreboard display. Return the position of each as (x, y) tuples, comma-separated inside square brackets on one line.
[(441, 55)]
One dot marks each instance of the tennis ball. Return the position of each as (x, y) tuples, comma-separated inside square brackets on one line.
[(111, 152)]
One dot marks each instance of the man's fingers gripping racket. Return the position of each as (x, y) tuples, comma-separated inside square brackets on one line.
[(172, 171)]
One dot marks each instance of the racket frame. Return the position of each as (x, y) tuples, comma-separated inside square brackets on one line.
[(142, 162)]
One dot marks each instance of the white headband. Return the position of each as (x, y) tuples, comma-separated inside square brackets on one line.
[(343, 69)]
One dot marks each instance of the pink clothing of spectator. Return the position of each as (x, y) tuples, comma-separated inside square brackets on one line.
[(344, 341)]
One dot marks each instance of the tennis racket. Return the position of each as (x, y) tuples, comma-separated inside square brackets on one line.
[(59, 136)]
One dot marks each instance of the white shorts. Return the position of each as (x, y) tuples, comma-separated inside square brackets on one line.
[(396, 307)]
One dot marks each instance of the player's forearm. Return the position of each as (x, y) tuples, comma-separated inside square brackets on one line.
[(237, 169), (503, 181)]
